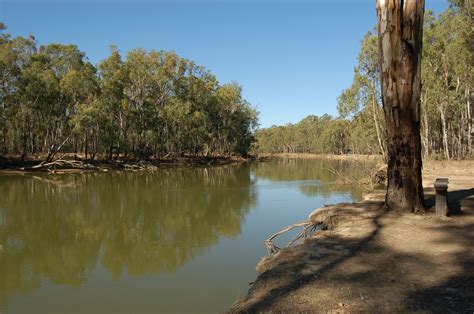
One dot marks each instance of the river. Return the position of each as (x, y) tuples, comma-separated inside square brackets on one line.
[(183, 239)]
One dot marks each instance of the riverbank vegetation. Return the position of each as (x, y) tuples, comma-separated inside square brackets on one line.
[(148, 104), (446, 113)]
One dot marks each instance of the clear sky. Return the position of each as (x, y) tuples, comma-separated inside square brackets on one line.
[(293, 58)]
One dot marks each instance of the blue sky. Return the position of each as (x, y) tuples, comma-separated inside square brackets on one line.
[(293, 58)]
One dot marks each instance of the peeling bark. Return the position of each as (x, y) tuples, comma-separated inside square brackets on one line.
[(400, 28)]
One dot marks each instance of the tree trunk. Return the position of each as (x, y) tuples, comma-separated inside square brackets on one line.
[(400, 28), (86, 145), (445, 133), (376, 122), (469, 122), (425, 138)]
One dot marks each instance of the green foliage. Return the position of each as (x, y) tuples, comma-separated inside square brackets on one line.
[(150, 104), (321, 135), (447, 124)]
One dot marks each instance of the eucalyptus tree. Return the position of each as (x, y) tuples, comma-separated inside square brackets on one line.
[(234, 130), (114, 109), (448, 79), (333, 137), (400, 29), (313, 134), (196, 95), (14, 54), (53, 83), (364, 93), (148, 104)]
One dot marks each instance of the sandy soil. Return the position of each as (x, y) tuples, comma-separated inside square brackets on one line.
[(460, 173), (370, 260)]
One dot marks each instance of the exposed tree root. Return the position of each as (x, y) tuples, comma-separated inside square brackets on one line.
[(308, 228)]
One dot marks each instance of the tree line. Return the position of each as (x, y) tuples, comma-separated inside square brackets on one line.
[(446, 112), (150, 104)]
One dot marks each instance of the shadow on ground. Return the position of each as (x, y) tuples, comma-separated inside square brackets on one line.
[(456, 199)]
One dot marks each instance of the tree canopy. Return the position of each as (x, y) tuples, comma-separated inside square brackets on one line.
[(146, 104)]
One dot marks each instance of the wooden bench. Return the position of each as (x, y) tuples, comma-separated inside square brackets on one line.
[(441, 187)]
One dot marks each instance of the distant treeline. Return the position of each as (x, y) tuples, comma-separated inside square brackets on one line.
[(148, 104), (446, 111), (311, 135)]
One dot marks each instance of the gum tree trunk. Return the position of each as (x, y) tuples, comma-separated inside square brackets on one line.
[(469, 122), (400, 28), (376, 122)]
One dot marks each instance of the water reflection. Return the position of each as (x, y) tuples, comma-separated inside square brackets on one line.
[(315, 177), (59, 227), (146, 237)]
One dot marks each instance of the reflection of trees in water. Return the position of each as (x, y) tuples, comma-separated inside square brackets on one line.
[(328, 190), (314, 169), (58, 227)]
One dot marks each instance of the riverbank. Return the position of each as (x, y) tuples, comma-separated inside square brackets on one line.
[(70, 165), (369, 260), (324, 156)]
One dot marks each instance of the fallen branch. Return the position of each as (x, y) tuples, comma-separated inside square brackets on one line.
[(72, 164), (308, 229), (52, 152), (141, 165)]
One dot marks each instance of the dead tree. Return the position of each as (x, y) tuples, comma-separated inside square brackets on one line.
[(400, 28)]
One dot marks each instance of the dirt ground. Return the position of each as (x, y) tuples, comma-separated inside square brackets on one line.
[(370, 260)]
